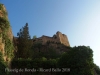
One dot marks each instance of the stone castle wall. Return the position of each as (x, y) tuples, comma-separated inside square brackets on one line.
[(47, 38), (63, 38), (58, 37)]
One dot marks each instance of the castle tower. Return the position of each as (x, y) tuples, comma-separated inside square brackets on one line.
[(57, 38), (62, 38)]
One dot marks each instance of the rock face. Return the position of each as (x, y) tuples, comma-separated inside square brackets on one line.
[(62, 38), (3, 11), (2, 46), (9, 32), (9, 35), (57, 38)]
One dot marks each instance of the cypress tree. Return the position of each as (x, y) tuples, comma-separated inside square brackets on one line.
[(24, 43)]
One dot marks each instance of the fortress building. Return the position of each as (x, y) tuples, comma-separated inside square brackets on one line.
[(57, 38)]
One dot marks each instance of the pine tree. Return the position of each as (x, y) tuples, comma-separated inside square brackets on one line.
[(24, 43)]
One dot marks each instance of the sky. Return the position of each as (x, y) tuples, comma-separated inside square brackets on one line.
[(78, 19)]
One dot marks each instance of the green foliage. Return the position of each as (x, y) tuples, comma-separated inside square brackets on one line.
[(1, 59), (9, 48), (52, 53), (79, 60), (97, 69), (2, 66), (37, 45), (49, 52), (36, 63), (24, 43), (44, 59), (34, 37), (4, 24), (4, 12), (0, 6)]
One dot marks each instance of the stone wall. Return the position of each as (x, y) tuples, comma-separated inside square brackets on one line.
[(62, 38), (47, 38), (58, 37)]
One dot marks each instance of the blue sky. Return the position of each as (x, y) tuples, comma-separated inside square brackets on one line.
[(78, 19)]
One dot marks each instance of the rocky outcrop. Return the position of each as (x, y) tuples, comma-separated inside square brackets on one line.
[(10, 34), (2, 46), (3, 13), (7, 34)]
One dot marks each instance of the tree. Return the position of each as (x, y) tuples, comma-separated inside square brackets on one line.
[(24, 43), (79, 60), (34, 37), (97, 69)]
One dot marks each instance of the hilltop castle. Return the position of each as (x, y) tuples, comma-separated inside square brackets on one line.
[(57, 38)]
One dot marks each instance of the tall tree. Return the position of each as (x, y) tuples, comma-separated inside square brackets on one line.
[(24, 43)]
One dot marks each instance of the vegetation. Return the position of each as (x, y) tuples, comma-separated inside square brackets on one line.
[(78, 59), (97, 69), (4, 23), (4, 26), (24, 43), (9, 48), (3, 66), (4, 12), (34, 37)]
